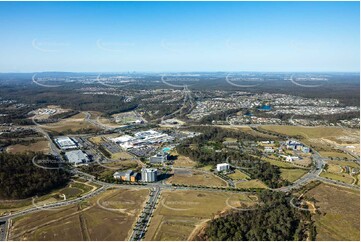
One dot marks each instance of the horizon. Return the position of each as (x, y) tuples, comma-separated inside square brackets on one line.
[(180, 37)]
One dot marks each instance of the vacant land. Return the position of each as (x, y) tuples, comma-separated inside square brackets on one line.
[(182, 161), (251, 184), (292, 175), (181, 212), (122, 156), (73, 124), (339, 217), (320, 137), (195, 178), (38, 146), (112, 220), (307, 132)]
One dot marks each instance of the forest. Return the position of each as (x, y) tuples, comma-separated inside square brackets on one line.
[(20, 178), (274, 219)]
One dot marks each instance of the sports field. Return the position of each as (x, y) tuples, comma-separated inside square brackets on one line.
[(339, 217)]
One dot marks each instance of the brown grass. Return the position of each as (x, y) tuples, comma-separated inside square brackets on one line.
[(339, 217)]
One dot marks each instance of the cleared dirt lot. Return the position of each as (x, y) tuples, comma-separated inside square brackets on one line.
[(72, 124), (339, 217), (113, 219), (38, 146), (179, 213)]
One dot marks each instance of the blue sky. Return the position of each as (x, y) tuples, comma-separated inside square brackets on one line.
[(179, 36)]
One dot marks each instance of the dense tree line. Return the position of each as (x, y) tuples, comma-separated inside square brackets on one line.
[(20, 178), (274, 219)]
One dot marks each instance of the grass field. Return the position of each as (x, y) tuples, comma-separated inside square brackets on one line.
[(251, 184), (182, 161), (195, 178), (72, 124), (343, 163), (320, 137), (334, 154), (346, 178), (38, 146), (178, 213), (307, 132), (281, 164), (86, 221), (121, 156), (238, 175), (96, 140), (339, 217), (292, 175)]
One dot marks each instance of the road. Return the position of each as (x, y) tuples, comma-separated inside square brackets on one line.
[(144, 219), (3, 230)]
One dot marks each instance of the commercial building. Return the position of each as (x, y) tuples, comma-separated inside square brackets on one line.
[(223, 167), (268, 149), (149, 175), (159, 158), (65, 143), (128, 175), (141, 139), (305, 149), (77, 157)]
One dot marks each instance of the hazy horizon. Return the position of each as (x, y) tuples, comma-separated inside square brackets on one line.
[(180, 36)]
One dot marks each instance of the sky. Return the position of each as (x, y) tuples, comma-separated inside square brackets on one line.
[(179, 36)]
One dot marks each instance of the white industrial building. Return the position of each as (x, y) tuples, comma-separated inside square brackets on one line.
[(223, 167), (77, 157), (149, 174), (141, 139), (65, 143)]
